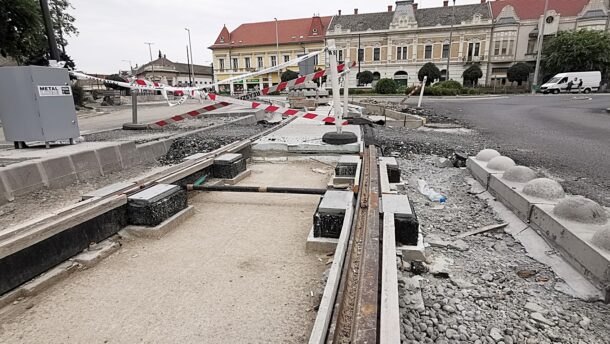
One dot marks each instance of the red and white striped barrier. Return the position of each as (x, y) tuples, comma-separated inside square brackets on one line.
[(286, 112), (191, 114)]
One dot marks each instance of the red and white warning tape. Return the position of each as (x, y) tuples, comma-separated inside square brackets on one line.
[(191, 114)]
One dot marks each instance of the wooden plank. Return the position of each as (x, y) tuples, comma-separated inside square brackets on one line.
[(389, 323), (56, 224), (482, 230)]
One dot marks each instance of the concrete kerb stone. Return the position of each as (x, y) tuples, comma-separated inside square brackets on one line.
[(22, 178), (86, 165), (575, 241), (487, 154), (581, 209), (480, 171), (500, 163), (511, 195), (128, 153), (109, 158), (58, 172), (5, 194), (150, 151)]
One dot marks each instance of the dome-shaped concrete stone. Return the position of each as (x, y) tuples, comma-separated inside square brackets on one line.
[(500, 163), (520, 174), (487, 154), (581, 209), (602, 238), (544, 188)]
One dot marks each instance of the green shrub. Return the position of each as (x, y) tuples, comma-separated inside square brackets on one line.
[(386, 86), (449, 84), (289, 75), (361, 91)]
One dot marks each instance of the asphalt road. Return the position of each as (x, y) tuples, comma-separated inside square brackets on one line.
[(568, 136)]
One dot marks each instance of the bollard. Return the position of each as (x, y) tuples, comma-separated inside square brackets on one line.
[(134, 106), (421, 93)]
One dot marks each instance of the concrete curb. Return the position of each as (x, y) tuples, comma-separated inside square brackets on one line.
[(480, 172), (511, 195), (407, 120), (56, 172), (574, 240), (163, 228)]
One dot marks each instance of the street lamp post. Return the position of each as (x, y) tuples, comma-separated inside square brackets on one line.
[(540, 41), (48, 23), (151, 60), (277, 50), (191, 49), (450, 42)]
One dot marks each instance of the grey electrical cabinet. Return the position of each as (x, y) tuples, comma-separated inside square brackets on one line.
[(36, 104)]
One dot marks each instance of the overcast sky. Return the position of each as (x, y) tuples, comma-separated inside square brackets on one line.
[(115, 30)]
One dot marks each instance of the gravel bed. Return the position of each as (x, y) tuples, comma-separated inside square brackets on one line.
[(210, 140), (142, 136), (493, 292)]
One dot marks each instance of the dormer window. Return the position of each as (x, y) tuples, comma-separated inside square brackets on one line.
[(222, 39), (315, 31)]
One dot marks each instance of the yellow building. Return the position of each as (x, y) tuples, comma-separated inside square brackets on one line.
[(257, 46)]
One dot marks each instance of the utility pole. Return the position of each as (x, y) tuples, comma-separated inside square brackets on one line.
[(192, 62), (540, 41), (359, 61), (188, 64), (277, 50), (151, 60), (48, 24), (450, 41)]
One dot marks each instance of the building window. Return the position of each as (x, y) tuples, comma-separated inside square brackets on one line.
[(445, 51), (504, 49), (473, 50), (340, 55), (286, 58), (376, 54), (510, 46), (401, 53), (221, 63), (273, 60), (247, 62), (259, 61), (360, 54), (497, 47), (235, 63), (428, 52)]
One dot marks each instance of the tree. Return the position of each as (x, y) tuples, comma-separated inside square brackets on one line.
[(431, 71), (574, 51), (386, 86), (519, 72), (289, 75), (365, 78), (22, 34), (472, 75)]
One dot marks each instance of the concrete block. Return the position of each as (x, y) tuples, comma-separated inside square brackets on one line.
[(58, 172), (86, 165), (163, 228), (320, 244), (328, 218), (22, 178), (347, 165), (129, 154), (109, 158), (151, 151), (511, 195), (49, 278), (228, 166), (574, 240), (479, 171), (95, 254), (415, 252), (108, 190), (5, 193), (155, 204), (406, 224), (234, 181)]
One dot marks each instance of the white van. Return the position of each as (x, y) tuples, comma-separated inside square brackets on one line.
[(559, 83)]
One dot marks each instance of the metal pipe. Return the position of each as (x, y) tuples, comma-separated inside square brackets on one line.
[(134, 106), (265, 189)]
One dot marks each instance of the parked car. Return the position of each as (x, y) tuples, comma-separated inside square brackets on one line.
[(569, 82)]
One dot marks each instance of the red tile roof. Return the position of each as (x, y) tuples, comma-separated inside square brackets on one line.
[(289, 31), (532, 9)]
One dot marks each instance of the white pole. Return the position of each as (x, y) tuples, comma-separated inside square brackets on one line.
[(346, 90), (334, 79), (421, 93)]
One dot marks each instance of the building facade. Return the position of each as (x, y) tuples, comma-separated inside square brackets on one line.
[(257, 46), (396, 43), (516, 28), (172, 73)]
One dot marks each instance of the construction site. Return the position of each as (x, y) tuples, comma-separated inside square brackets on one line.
[(292, 213)]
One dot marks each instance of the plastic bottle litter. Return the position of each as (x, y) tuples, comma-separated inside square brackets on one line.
[(429, 192)]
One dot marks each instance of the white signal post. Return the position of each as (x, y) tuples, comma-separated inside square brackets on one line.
[(421, 93), (334, 79), (345, 90)]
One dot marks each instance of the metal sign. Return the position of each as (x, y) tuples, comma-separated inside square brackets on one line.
[(307, 66), (54, 91)]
